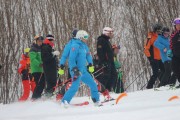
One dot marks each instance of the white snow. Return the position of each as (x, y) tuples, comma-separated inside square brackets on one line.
[(140, 105)]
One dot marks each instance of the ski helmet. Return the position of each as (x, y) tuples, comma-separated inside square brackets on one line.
[(50, 37), (26, 50), (176, 21), (165, 29), (37, 37), (74, 32), (107, 30), (157, 27), (81, 34)]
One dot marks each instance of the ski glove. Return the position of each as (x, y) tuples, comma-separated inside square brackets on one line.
[(56, 53), (169, 53), (61, 70), (91, 68), (76, 72)]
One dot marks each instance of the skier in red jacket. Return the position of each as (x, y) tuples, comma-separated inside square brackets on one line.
[(27, 80)]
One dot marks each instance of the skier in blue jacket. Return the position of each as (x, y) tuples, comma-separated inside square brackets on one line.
[(62, 61), (79, 55), (163, 44)]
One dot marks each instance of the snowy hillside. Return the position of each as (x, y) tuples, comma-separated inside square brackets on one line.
[(141, 105)]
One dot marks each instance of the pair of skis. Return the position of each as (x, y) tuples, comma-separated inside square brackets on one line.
[(116, 100)]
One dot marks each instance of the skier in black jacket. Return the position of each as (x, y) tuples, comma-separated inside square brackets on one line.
[(49, 64), (175, 49), (106, 58)]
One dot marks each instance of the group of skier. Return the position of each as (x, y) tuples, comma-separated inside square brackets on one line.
[(102, 73), (40, 66), (162, 51)]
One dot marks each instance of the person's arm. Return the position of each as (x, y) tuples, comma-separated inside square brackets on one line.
[(33, 59), (72, 56), (159, 45), (147, 47), (65, 54), (101, 50), (89, 56), (46, 54)]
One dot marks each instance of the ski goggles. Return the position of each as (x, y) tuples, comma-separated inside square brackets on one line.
[(166, 34), (108, 31), (86, 37)]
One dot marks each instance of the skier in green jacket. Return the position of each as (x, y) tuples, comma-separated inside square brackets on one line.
[(36, 67), (118, 86)]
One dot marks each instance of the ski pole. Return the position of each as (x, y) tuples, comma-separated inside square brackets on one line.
[(99, 69), (134, 80)]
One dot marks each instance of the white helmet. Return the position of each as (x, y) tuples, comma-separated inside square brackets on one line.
[(82, 34), (107, 30)]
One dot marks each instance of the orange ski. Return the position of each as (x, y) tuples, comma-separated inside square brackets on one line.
[(173, 98), (120, 97)]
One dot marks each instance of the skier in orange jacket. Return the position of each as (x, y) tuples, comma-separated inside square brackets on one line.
[(153, 55), (27, 80)]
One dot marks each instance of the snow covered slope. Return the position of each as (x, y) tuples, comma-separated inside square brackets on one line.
[(140, 105)]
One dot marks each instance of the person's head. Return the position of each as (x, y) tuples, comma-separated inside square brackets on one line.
[(165, 32), (74, 32), (39, 40), (116, 49), (176, 23), (108, 32), (157, 28), (26, 52), (82, 35), (50, 37)]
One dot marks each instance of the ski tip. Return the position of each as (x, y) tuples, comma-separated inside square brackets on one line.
[(120, 97), (173, 98)]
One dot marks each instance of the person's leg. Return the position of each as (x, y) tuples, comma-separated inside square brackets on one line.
[(26, 90), (153, 78), (72, 90), (176, 67), (88, 80), (161, 69), (166, 74), (112, 76), (26, 86), (40, 84)]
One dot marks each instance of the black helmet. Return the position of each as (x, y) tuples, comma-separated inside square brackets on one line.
[(74, 32), (40, 38), (165, 29), (157, 27)]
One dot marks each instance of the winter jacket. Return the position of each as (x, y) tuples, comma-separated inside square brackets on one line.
[(104, 50), (175, 43), (24, 63), (66, 52), (79, 55), (49, 65), (149, 49), (117, 63), (35, 58), (162, 43)]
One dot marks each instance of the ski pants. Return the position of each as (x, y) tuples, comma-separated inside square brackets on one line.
[(157, 70), (40, 84), (167, 74), (88, 80), (176, 67)]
